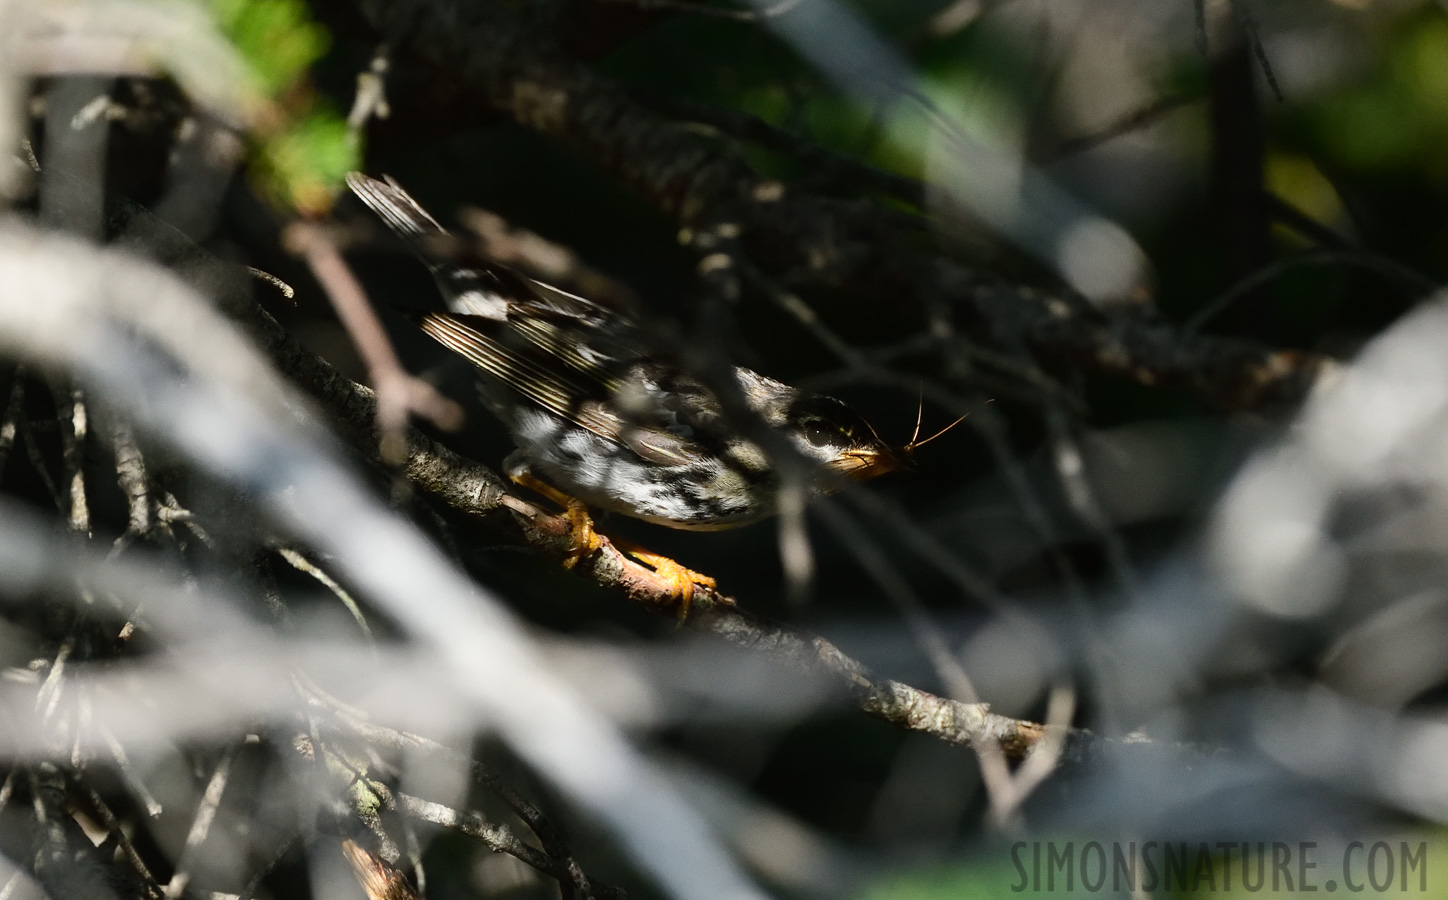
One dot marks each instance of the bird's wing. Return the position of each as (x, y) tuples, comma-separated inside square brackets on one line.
[(480, 287), (476, 292), (581, 391), (563, 352)]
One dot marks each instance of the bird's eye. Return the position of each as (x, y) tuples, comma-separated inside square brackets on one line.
[(819, 434)]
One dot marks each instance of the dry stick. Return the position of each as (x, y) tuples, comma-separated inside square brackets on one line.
[(113, 826), (742, 125), (699, 9), (994, 770), (928, 636), (399, 394), (1135, 120), (736, 15), (498, 838), (283, 848), (302, 564), (1060, 709), (11, 415), (1248, 23), (37, 461), (1273, 270), (533, 817), (131, 476), (371, 98), (129, 775), (282, 287), (201, 823), (47, 697), (380, 880), (376, 797), (474, 489), (172, 511), (1070, 466)]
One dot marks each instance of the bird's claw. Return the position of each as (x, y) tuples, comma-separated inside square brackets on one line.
[(680, 579), (586, 539)]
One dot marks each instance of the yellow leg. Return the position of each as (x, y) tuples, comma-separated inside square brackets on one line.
[(585, 537), (681, 579), (586, 540)]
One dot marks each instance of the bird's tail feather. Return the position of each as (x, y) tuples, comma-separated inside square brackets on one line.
[(397, 208)]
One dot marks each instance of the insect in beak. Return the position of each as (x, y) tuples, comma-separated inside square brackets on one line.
[(914, 443)]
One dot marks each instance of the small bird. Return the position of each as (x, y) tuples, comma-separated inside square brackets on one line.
[(601, 422)]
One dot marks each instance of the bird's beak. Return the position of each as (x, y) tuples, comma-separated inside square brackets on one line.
[(866, 463)]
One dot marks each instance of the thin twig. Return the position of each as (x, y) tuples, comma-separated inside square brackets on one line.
[(131, 475), (285, 289), (129, 774), (1070, 468), (498, 838), (37, 462), (11, 415), (1248, 23), (302, 564), (370, 100), (531, 815), (201, 822), (283, 848), (1060, 709), (399, 394), (47, 698), (380, 880), (1310, 258), (123, 840), (845, 169), (887, 576), (171, 511), (737, 15), (1133, 121)]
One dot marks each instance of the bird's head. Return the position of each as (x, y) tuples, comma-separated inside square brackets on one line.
[(839, 439)]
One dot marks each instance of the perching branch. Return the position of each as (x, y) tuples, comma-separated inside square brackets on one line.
[(474, 489)]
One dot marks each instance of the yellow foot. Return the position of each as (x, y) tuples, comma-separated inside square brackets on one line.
[(585, 538), (586, 541), (680, 579)]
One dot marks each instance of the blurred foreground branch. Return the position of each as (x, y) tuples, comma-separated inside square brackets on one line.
[(122, 326)]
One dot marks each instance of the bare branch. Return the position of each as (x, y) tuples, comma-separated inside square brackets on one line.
[(399, 394)]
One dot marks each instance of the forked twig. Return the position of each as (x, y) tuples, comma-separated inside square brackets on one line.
[(399, 394)]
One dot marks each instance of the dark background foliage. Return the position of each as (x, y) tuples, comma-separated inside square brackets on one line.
[(1279, 164)]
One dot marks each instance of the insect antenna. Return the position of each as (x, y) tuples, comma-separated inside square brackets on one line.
[(919, 417), (916, 445)]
